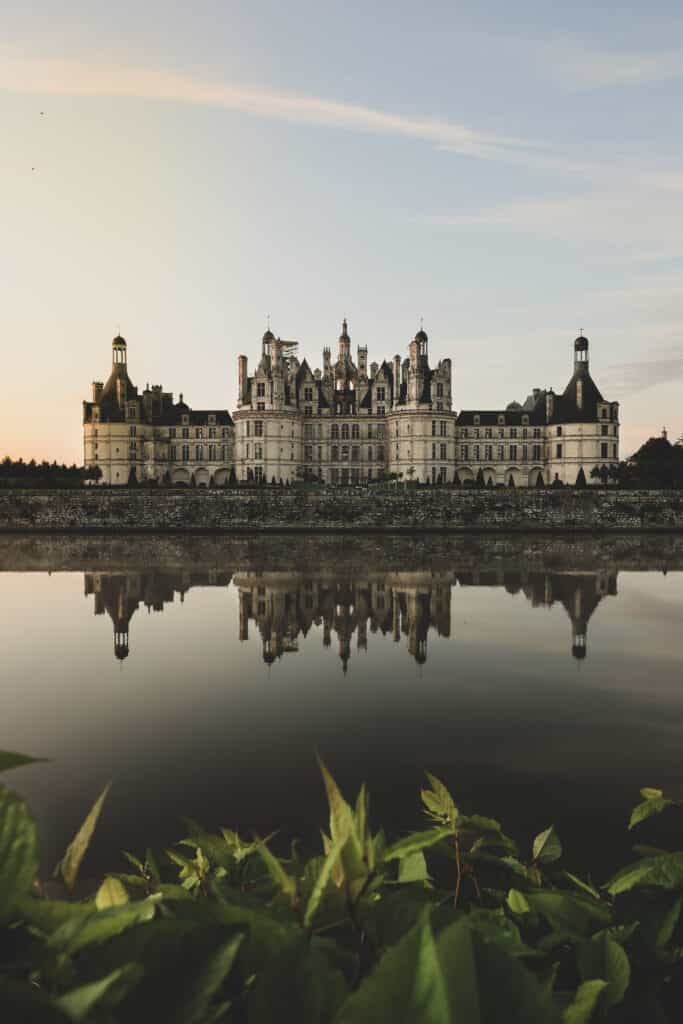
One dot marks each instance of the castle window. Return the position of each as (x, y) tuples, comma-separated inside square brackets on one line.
[(464, 452), (345, 453), (320, 453), (559, 431), (185, 420), (380, 430), (212, 453), (439, 406), (369, 479), (308, 394), (477, 420), (224, 452), (355, 431), (439, 390), (442, 451), (186, 453), (614, 431), (260, 407), (355, 453), (258, 474), (513, 431), (308, 453), (370, 453), (501, 431), (380, 394), (212, 431), (133, 445), (501, 420), (308, 411), (433, 452), (335, 476), (501, 452), (186, 433), (380, 410), (537, 432), (308, 431), (198, 452), (199, 432), (603, 450), (335, 453), (614, 451), (260, 390), (476, 453), (513, 453), (525, 419), (525, 452), (345, 432), (464, 432), (212, 419), (380, 453), (131, 412), (433, 428), (369, 430), (537, 452), (133, 431), (488, 452), (171, 432), (603, 430), (603, 413), (442, 428), (558, 451), (258, 428)]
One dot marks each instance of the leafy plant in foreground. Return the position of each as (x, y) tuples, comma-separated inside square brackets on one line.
[(451, 923)]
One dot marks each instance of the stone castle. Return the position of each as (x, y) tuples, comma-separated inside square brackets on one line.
[(348, 423)]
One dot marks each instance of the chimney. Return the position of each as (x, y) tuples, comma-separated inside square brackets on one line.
[(397, 376), (363, 360), (374, 367), (242, 377), (327, 362), (549, 404), (97, 388)]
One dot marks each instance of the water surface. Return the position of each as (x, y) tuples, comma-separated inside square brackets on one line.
[(540, 677)]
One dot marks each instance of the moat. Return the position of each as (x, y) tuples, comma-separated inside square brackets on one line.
[(541, 677)]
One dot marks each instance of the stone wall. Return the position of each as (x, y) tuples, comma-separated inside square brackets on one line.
[(293, 509)]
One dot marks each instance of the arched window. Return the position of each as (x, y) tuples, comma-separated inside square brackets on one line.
[(355, 432), (345, 432)]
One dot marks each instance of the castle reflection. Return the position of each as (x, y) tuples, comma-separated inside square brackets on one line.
[(284, 606)]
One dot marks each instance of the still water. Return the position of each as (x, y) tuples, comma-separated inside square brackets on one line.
[(541, 678)]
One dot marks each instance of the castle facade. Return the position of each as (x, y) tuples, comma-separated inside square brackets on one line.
[(352, 423), (137, 438), (348, 423)]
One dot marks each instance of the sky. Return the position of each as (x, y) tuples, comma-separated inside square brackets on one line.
[(510, 173)]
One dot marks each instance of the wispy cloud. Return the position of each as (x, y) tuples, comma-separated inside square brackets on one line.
[(628, 378), (70, 78), (578, 65)]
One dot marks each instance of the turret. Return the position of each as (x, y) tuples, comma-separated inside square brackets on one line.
[(344, 342), (118, 346), (97, 387), (581, 354)]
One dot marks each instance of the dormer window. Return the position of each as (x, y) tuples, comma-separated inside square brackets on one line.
[(261, 390), (185, 420), (477, 421), (501, 421), (212, 419), (525, 420), (380, 394), (308, 394), (131, 412)]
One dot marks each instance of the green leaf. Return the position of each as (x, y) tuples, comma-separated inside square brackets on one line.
[(283, 881), (651, 794), (413, 868), (203, 984), (416, 842), (77, 848), (323, 879), (446, 979), (342, 823), (664, 872), (657, 922), (9, 760), (49, 915), (439, 802), (585, 1002), (580, 884), (517, 902), (569, 913), (602, 957), (110, 894), (297, 985), (650, 806), (547, 846), (18, 851), (80, 1001), (100, 925)]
